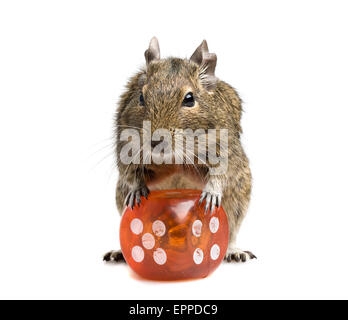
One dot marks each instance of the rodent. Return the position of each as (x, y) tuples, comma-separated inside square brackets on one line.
[(156, 93)]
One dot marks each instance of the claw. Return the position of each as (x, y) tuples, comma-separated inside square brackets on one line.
[(107, 256), (131, 199), (218, 203), (213, 204), (202, 197), (251, 255), (127, 198), (137, 196), (207, 202), (145, 192)]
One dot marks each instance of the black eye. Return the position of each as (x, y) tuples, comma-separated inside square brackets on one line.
[(189, 100), (141, 100)]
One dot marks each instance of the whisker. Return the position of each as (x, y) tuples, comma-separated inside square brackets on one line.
[(103, 159)]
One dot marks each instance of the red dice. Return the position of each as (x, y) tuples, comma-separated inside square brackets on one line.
[(169, 237)]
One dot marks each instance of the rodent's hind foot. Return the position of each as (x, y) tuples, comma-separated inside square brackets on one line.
[(134, 196), (238, 255), (114, 256)]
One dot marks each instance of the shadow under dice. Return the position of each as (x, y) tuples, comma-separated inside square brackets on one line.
[(169, 237)]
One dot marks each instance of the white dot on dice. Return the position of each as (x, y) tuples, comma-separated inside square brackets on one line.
[(214, 224), (136, 226), (137, 254), (198, 256), (148, 241), (215, 252), (197, 228), (159, 228), (160, 256)]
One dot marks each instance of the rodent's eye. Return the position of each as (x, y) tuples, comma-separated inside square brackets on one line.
[(189, 100), (141, 100)]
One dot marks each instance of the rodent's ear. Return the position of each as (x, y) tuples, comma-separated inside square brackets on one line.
[(207, 63), (153, 53)]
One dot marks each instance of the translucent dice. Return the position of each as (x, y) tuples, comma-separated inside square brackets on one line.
[(169, 237)]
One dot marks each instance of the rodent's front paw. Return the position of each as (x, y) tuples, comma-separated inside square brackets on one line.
[(134, 196), (212, 200)]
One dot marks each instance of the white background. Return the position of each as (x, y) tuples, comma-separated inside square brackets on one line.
[(63, 65)]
